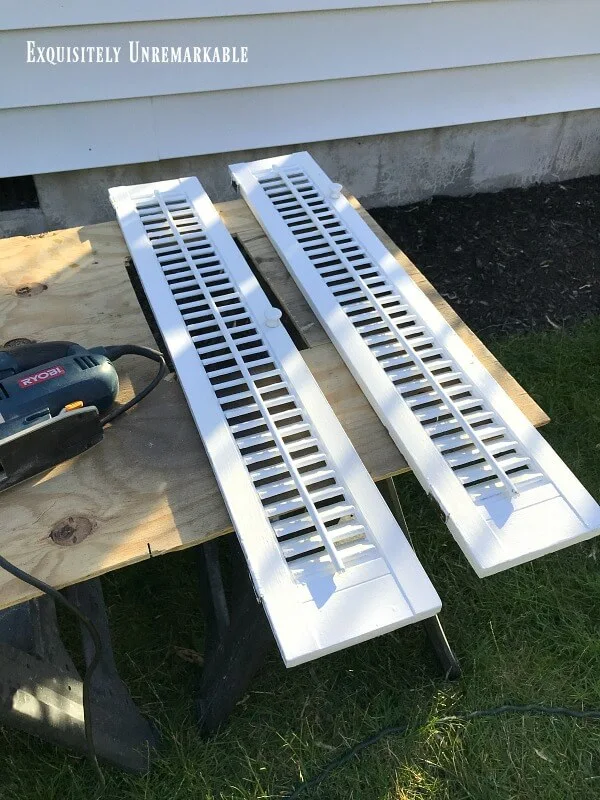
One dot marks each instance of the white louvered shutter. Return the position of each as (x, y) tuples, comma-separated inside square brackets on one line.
[(507, 496), (327, 557)]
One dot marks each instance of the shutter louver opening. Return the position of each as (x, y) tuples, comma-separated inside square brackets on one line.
[(326, 556), (506, 495)]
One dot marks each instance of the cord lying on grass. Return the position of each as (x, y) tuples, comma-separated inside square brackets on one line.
[(400, 730)]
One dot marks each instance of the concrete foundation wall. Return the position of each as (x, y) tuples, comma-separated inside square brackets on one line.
[(382, 170)]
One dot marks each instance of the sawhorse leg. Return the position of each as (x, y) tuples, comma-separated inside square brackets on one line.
[(433, 626), (237, 635), (41, 691)]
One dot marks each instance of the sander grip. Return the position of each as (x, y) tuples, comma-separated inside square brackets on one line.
[(28, 356)]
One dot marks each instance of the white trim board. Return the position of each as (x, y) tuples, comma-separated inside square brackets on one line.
[(506, 495), (326, 556)]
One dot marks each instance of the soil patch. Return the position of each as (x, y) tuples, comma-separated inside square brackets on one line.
[(516, 260)]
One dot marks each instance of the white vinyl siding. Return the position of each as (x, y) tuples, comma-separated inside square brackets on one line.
[(57, 13), (308, 47), (332, 70)]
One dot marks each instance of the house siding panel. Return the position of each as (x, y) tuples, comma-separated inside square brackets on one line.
[(311, 76)]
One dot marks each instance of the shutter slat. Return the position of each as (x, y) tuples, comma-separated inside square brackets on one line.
[(427, 387), (290, 478)]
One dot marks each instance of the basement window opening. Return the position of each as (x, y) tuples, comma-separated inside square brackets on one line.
[(17, 193)]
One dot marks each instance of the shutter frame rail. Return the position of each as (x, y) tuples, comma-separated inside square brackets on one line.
[(510, 517), (287, 471)]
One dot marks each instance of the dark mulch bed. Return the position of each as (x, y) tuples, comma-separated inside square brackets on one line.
[(521, 259)]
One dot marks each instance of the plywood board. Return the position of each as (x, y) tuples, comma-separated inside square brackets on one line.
[(137, 494)]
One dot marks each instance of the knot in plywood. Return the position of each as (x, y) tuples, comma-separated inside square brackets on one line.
[(30, 289), (72, 530)]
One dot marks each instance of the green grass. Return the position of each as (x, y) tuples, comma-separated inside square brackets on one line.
[(529, 635)]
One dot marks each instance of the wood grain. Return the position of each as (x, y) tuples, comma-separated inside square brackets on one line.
[(148, 488)]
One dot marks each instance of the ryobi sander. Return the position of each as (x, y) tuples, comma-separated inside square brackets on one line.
[(54, 401)]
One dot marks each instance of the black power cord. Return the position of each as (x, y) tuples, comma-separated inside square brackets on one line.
[(113, 353), (134, 350), (401, 730)]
